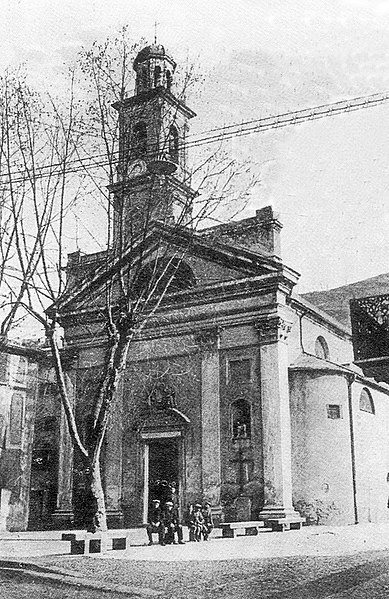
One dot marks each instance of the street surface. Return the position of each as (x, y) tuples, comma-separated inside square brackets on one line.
[(347, 562), (18, 586), (362, 575)]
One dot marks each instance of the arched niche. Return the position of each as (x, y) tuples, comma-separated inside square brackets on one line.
[(321, 348), (366, 403), (241, 419), (160, 275)]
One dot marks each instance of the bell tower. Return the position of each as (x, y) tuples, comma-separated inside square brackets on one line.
[(152, 180)]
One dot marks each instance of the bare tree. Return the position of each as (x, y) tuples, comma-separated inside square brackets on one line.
[(51, 155)]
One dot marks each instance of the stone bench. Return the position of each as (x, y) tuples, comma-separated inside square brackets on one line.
[(282, 524), (84, 543), (250, 528)]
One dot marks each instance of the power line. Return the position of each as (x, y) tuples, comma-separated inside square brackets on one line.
[(220, 134), (334, 107), (293, 118)]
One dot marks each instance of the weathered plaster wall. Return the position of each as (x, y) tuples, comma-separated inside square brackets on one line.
[(303, 339), (372, 455), (321, 450), (210, 272), (183, 373)]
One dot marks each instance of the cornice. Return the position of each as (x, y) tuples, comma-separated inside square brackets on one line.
[(221, 292), (158, 92), (272, 329), (208, 339)]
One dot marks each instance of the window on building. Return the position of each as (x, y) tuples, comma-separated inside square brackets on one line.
[(3, 368), (168, 80), (173, 143), (157, 76), (2, 431), (145, 77), (16, 420), (241, 419), (366, 403), (321, 348), (139, 141), (334, 411), (21, 372), (239, 371)]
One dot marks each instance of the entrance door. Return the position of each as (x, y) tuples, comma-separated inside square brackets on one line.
[(163, 468)]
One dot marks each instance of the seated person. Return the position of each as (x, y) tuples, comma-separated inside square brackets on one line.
[(171, 525), (155, 523), (208, 520), (188, 520), (174, 498), (197, 526)]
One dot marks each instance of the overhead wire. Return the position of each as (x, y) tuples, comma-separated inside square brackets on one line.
[(219, 134)]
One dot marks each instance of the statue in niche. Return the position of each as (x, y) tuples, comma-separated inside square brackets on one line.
[(162, 397), (241, 419)]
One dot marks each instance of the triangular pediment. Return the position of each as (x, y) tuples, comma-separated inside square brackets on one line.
[(210, 261)]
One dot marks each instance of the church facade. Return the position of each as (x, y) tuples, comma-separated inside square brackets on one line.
[(237, 390)]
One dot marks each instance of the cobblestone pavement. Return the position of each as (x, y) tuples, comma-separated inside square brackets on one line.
[(18, 586), (362, 575), (347, 562)]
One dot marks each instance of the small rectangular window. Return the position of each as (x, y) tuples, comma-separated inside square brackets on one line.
[(16, 419), (239, 371), (21, 373), (3, 368), (334, 411)]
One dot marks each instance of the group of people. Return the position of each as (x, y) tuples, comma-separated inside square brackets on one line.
[(199, 521), (165, 521)]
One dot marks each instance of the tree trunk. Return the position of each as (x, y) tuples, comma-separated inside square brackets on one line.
[(96, 516)]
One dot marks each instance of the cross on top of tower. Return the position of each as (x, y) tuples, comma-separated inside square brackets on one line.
[(154, 68), (155, 32), (152, 175)]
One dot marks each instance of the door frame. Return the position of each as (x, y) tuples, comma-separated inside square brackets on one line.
[(148, 438)]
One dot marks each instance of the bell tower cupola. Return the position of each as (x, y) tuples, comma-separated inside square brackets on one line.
[(154, 68), (153, 182)]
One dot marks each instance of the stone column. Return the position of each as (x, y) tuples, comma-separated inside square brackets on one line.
[(114, 464), (63, 515), (208, 339), (277, 468)]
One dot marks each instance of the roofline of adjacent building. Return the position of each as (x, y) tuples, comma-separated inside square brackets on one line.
[(305, 307), (328, 366), (13, 347)]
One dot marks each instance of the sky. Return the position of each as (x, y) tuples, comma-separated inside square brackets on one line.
[(329, 179)]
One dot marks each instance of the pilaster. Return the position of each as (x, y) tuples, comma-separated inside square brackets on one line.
[(114, 464), (273, 334), (208, 341), (63, 515)]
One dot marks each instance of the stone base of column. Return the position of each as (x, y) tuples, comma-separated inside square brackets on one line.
[(281, 518), (63, 519), (272, 511), (115, 519)]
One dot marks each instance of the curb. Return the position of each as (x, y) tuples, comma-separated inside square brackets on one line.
[(59, 575)]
